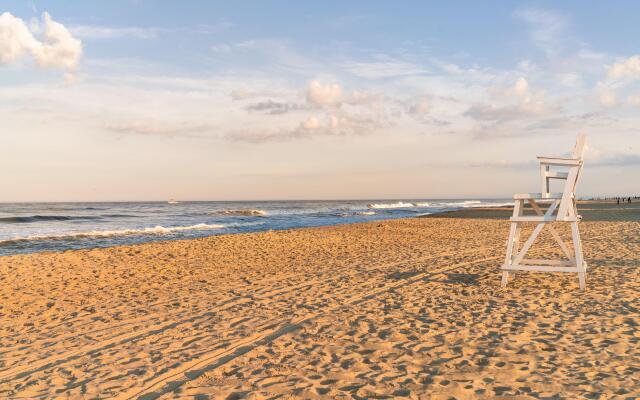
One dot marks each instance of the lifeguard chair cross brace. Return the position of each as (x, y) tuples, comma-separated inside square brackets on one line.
[(562, 208)]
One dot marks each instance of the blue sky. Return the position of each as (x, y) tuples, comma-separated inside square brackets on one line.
[(143, 100)]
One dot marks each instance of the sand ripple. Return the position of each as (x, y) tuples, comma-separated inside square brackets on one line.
[(406, 308)]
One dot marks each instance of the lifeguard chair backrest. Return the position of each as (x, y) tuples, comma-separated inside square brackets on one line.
[(578, 152), (580, 147), (567, 204)]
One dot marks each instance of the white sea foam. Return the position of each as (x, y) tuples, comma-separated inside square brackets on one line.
[(478, 203), (504, 204), (156, 230), (399, 204), (364, 213), (466, 203), (470, 204), (244, 213), (440, 204)]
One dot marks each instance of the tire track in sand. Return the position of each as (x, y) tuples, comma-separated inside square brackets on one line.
[(172, 380), (42, 364)]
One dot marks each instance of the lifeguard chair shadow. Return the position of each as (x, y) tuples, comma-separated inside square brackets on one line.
[(562, 208)]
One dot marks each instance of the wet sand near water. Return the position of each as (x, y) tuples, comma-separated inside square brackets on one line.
[(589, 210)]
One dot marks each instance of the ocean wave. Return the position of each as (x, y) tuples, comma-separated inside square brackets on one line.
[(157, 230), (241, 213), (473, 204), (245, 224), (439, 204), (36, 218), (399, 204), (467, 203), (346, 214), (490, 205)]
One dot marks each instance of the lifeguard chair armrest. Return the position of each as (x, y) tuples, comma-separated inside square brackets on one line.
[(559, 161), (537, 196)]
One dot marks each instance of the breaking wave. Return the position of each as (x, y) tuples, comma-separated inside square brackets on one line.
[(348, 214), (439, 204), (476, 203), (241, 213), (466, 203), (157, 230), (36, 218), (399, 204), (41, 218)]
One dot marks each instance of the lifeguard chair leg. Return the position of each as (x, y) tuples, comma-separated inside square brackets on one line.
[(512, 242), (577, 246)]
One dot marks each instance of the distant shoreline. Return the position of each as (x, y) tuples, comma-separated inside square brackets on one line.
[(590, 210)]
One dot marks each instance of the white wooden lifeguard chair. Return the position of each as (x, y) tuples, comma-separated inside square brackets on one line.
[(563, 205)]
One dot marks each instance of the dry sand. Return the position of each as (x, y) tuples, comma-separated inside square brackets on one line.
[(388, 309)]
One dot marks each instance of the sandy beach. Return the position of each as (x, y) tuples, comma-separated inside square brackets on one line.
[(406, 308), (319, 200)]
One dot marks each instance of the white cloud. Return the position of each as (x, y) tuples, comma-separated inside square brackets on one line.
[(590, 55), (336, 123), (324, 95), (519, 89), (450, 68), (157, 127), (597, 157), (98, 32), (311, 123), (634, 101), (359, 97), (278, 54), (512, 103), (547, 29), (56, 48), (109, 32), (606, 95), (384, 69), (70, 78), (495, 112), (272, 107), (420, 108), (629, 68), (59, 48), (520, 95), (570, 80), (221, 48), (618, 160), (15, 39)]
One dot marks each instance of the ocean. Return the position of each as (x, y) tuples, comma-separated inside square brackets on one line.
[(36, 227)]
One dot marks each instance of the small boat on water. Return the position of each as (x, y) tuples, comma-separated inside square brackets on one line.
[(173, 201)]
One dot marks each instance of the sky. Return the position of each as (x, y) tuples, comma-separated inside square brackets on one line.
[(201, 100)]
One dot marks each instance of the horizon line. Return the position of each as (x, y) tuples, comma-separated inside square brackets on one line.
[(589, 197)]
